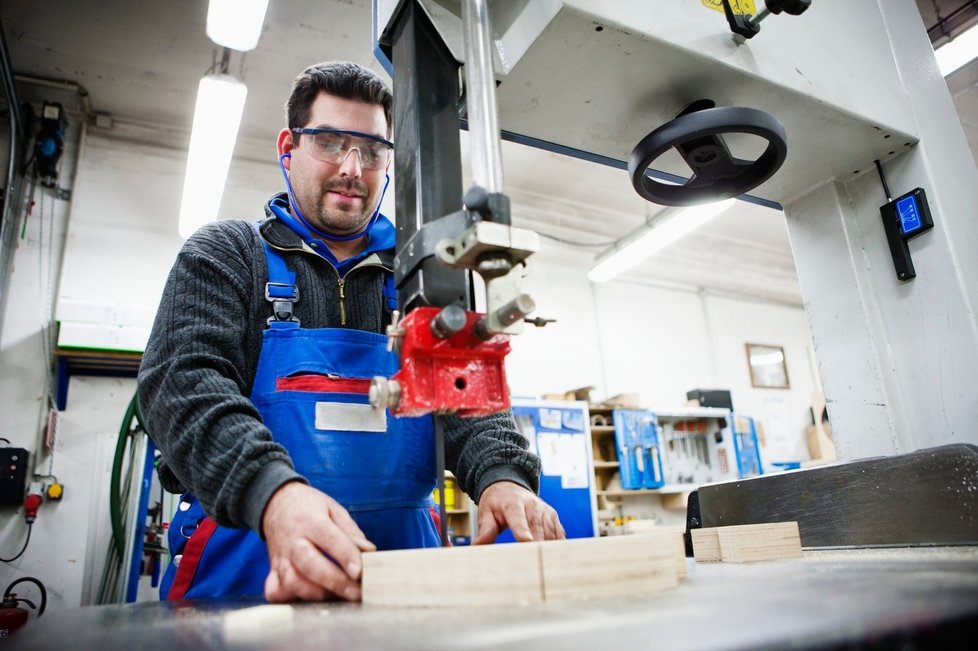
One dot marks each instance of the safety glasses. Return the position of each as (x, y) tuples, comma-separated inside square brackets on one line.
[(334, 145)]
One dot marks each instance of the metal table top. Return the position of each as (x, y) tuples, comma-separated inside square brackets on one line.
[(910, 597)]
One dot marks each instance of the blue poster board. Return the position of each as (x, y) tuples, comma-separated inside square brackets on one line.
[(559, 432)]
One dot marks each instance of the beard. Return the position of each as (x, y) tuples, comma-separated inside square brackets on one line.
[(341, 219)]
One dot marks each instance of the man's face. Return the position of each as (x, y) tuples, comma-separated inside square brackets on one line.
[(338, 198)]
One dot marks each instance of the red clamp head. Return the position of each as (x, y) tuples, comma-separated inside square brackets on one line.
[(449, 363)]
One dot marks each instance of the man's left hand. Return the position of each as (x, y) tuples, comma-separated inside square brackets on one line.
[(505, 504)]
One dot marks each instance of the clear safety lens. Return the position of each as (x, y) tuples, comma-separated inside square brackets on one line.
[(332, 146)]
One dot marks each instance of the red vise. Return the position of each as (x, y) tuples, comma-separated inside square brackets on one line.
[(462, 373)]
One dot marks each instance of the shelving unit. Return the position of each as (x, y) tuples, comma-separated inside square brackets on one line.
[(459, 511), (696, 448), (607, 477)]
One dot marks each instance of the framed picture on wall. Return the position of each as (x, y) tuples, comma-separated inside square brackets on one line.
[(767, 366)]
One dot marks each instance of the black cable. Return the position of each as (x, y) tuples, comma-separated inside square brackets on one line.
[(40, 586), (22, 549), (7, 441), (573, 243), (886, 188)]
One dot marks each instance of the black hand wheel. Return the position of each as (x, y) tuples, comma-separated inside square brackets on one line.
[(717, 175)]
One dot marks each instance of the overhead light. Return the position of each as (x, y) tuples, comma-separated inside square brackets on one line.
[(668, 226), (220, 100), (956, 53), (236, 23)]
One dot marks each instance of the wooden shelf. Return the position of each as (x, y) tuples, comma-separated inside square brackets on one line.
[(602, 429), (606, 464), (676, 488), (669, 489)]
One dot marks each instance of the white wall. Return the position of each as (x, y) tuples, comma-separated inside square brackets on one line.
[(121, 241), (659, 343)]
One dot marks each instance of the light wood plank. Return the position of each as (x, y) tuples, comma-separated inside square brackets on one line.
[(484, 575), (670, 536), (750, 543), (706, 545), (589, 568)]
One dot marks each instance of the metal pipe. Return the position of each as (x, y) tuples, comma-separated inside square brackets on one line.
[(60, 84), (480, 97), (761, 15), (8, 82), (8, 221), (13, 185)]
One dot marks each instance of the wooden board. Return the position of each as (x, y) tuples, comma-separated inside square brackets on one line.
[(671, 536), (524, 573), (483, 575), (759, 542), (747, 543), (706, 545), (587, 568)]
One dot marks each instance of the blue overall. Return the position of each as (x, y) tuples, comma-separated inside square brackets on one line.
[(311, 390)]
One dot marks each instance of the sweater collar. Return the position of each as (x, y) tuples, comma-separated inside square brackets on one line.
[(381, 237)]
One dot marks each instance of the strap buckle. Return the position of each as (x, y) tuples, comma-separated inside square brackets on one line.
[(282, 296)]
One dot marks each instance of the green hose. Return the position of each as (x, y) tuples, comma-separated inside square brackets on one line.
[(125, 431)]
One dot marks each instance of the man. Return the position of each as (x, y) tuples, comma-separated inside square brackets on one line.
[(253, 383)]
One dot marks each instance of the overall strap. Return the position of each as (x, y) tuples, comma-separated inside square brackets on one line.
[(280, 290), (390, 292)]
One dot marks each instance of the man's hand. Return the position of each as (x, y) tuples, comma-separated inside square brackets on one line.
[(301, 526), (505, 504)]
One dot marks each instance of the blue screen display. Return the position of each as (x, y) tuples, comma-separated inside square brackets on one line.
[(909, 214)]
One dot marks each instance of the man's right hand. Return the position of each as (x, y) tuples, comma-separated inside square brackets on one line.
[(301, 526)]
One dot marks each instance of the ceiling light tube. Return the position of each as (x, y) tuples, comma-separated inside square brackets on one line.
[(668, 226), (236, 23), (220, 101), (956, 53)]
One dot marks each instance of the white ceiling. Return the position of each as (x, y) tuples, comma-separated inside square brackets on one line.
[(140, 61)]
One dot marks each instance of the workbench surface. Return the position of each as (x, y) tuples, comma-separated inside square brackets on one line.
[(907, 598)]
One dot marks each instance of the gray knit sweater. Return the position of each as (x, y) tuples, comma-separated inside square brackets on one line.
[(200, 362)]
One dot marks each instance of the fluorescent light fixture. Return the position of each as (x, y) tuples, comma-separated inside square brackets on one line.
[(236, 23), (220, 100), (958, 52), (664, 230)]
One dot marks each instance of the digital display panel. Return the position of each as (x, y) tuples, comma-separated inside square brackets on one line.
[(904, 218), (909, 214)]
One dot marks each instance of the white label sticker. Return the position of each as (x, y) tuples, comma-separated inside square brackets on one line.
[(349, 417)]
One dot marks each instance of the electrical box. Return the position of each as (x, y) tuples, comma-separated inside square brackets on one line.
[(13, 478), (720, 398), (904, 218)]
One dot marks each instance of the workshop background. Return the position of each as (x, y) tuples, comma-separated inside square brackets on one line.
[(93, 250)]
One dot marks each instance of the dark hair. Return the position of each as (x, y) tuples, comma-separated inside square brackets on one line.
[(341, 79)]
